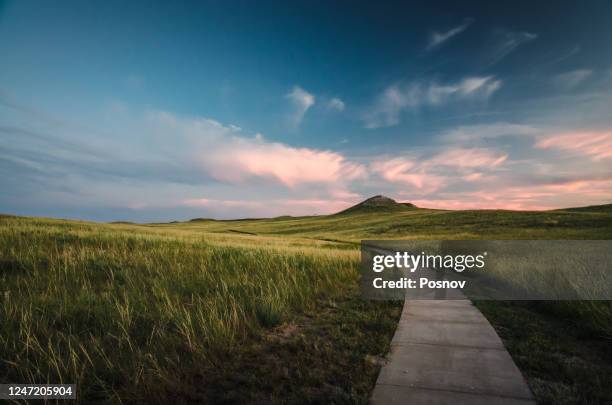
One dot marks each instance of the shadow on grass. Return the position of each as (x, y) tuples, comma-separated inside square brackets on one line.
[(566, 358)]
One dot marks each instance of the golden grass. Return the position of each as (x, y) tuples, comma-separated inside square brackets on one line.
[(114, 307)]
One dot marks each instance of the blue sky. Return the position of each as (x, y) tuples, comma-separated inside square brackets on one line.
[(159, 111)]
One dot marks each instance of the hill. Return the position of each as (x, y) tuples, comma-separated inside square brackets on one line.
[(378, 203), (382, 218), (590, 208)]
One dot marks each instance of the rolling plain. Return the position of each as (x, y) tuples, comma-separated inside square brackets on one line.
[(262, 310)]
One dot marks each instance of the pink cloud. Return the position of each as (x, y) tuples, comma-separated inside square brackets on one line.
[(467, 158), (244, 158), (320, 180), (228, 156), (272, 207), (345, 195), (405, 171), (432, 174), (394, 169), (207, 202), (571, 193), (472, 176), (596, 145), (308, 206), (474, 204)]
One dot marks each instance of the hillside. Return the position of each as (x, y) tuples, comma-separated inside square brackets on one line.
[(591, 208), (382, 218), (378, 203)]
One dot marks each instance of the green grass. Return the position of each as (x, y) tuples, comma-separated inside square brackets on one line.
[(185, 311), (426, 224), (321, 356), (564, 362), (112, 308)]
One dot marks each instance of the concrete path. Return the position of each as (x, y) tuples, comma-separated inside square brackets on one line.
[(446, 352)]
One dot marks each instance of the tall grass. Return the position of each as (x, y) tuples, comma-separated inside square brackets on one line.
[(124, 313), (131, 312)]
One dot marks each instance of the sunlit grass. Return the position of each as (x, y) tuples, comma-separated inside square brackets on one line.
[(112, 306)]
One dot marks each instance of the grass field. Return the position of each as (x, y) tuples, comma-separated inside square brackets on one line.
[(251, 310)]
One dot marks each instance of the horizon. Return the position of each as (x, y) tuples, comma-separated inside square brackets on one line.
[(119, 220), (126, 112)]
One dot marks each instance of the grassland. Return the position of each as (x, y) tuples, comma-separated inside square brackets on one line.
[(246, 310), (137, 312)]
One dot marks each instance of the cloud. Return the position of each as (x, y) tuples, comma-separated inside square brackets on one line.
[(228, 156), (429, 174), (472, 133), (272, 207), (336, 104), (473, 176), (399, 97), (301, 101), (243, 158), (544, 196), (595, 145), (506, 42), (184, 157), (390, 103), (461, 158), (400, 170), (481, 87), (438, 38), (569, 80), (197, 166), (566, 55)]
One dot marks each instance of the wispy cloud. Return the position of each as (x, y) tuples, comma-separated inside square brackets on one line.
[(470, 87), (595, 145), (565, 55), (569, 80), (428, 174), (227, 155), (438, 38), (181, 162), (183, 154), (408, 173), (244, 158), (336, 104), (272, 207), (399, 97), (195, 166), (462, 158), (506, 42), (542, 196), (301, 101), (547, 170), (472, 133)]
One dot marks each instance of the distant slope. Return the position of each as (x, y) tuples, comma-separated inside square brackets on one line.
[(201, 219), (382, 218), (590, 208), (378, 203)]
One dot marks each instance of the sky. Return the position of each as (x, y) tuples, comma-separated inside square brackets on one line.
[(159, 111)]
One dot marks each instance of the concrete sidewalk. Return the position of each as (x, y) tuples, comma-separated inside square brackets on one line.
[(446, 352)]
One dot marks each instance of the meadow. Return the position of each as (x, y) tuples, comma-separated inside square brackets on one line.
[(252, 310)]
